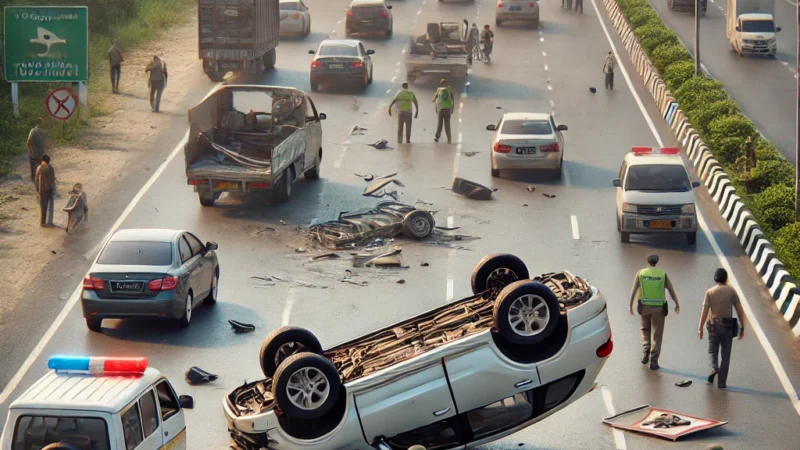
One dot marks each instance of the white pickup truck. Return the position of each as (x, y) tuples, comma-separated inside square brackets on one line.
[(751, 27)]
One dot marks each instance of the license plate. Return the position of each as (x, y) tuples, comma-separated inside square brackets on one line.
[(526, 150), (335, 66), (226, 185), (366, 21), (516, 8), (660, 224), (126, 286)]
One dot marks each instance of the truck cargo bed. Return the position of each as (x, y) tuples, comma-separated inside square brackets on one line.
[(212, 168)]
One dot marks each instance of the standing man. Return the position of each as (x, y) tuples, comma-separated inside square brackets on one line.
[(45, 186), (444, 108), (608, 69), (115, 66), (473, 43), (579, 4), (38, 143), (487, 39), (404, 99), (649, 289), (720, 301), (157, 81)]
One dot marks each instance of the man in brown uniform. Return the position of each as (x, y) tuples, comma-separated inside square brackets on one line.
[(157, 80), (38, 143), (115, 65), (720, 301), (45, 185)]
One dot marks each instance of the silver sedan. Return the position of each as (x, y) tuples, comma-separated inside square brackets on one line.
[(150, 273), (527, 141)]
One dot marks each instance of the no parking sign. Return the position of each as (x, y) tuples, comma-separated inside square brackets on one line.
[(61, 104)]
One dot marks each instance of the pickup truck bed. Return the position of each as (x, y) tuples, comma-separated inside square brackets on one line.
[(212, 168), (453, 65)]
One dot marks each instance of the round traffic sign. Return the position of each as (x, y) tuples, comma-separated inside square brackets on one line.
[(61, 104)]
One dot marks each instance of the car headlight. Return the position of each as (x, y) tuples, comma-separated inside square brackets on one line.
[(687, 209), (747, 41), (772, 39), (628, 208)]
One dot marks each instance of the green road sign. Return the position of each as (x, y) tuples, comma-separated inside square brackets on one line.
[(46, 43)]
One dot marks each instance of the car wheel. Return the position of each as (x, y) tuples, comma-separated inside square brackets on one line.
[(535, 24), (495, 173), (558, 173), (498, 22), (365, 82), (269, 59), (624, 237), (283, 343), (188, 308), (313, 173), (370, 75), (61, 446), (418, 224), (284, 192), (495, 272), (691, 238), (216, 77), (207, 199), (526, 312), (306, 386), (212, 292), (308, 28), (94, 324), (390, 31), (314, 87)]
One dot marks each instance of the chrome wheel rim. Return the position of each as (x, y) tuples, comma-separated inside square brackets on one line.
[(189, 308), (528, 315), (286, 350), (421, 225), (215, 285), (308, 389), (500, 278)]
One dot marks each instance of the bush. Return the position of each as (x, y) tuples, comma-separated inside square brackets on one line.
[(677, 74), (780, 196), (731, 126), (770, 173), (707, 112), (727, 150), (787, 244), (766, 151), (772, 219), (652, 35), (697, 91), (668, 53), (642, 15)]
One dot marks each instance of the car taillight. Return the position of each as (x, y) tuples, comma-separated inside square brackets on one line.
[(384, 14), (349, 13), (502, 148), (196, 181), (358, 64), (259, 185), (605, 349), (93, 284), (163, 284), (154, 285), (317, 64), (531, 4), (296, 16), (500, 5), (550, 148)]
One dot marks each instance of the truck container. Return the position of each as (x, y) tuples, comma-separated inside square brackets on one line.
[(237, 36), (751, 27), (687, 6)]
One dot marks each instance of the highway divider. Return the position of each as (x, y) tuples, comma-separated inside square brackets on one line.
[(759, 170)]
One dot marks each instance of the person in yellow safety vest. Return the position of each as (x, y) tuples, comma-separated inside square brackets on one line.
[(649, 288), (404, 99), (444, 108)]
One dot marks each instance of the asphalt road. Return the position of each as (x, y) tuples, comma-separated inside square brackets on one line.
[(545, 70), (766, 88)]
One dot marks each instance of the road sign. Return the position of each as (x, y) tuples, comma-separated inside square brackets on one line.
[(61, 104), (46, 43)]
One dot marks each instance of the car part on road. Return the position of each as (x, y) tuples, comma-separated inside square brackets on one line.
[(379, 184), (660, 422), (284, 342), (593, 90), (495, 272), (357, 131), (684, 383), (306, 386), (381, 144), (196, 375), (362, 260), (549, 195), (447, 228), (401, 281), (526, 312), (324, 257), (471, 190), (241, 327), (531, 189), (418, 224)]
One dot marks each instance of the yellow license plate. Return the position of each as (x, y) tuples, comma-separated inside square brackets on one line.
[(660, 224), (226, 185)]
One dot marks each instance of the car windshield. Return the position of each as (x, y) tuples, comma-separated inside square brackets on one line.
[(288, 6), (658, 177), (527, 127), (137, 253), (367, 10), (36, 431), (758, 26), (338, 50)]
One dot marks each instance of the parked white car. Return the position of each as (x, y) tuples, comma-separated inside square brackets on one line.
[(458, 376), (527, 141), (517, 11), (295, 18)]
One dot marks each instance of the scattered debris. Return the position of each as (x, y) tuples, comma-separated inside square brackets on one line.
[(498, 107), (449, 241), (549, 195), (684, 383), (381, 144), (471, 190), (380, 184), (53, 252), (241, 327), (282, 222), (324, 256), (386, 261), (593, 90), (401, 281), (308, 285), (348, 273), (263, 230), (458, 237), (524, 205), (353, 282), (361, 259), (447, 228), (531, 189), (660, 422), (383, 177), (470, 154), (300, 250), (357, 131), (355, 103), (367, 177), (424, 202), (196, 375), (424, 264)]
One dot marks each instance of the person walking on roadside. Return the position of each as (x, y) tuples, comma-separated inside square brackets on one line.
[(649, 288), (717, 317), (608, 70), (157, 80), (404, 99), (115, 66), (38, 143), (443, 99), (579, 4), (45, 186), (487, 40)]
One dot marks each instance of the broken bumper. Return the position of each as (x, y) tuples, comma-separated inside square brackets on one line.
[(635, 223), (167, 304)]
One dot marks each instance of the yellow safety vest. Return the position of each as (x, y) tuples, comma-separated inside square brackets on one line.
[(404, 100), (652, 286)]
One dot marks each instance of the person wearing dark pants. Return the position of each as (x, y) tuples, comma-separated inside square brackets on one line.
[(404, 99), (579, 5), (717, 318), (38, 143), (115, 66), (157, 80), (444, 108), (45, 186), (608, 70)]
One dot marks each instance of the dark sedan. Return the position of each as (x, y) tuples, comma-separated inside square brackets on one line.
[(340, 61), (369, 16)]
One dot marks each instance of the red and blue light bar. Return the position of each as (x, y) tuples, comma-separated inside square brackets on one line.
[(97, 365), (656, 151)]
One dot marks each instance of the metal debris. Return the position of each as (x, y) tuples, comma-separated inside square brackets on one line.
[(569, 289), (470, 154), (282, 222), (471, 190), (390, 175), (423, 202), (324, 256), (357, 131), (300, 250), (355, 283), (308, 285), (380, 184), (367, 177), (524, 205), (196, 375), (362, 260), (381, 144), (241, 327), (401, 281), (447, 228), (424, 264), (684, 383), (531, 189), (549, 195), (263, 230)]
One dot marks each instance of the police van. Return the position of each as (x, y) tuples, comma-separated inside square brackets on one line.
[(89, 403)]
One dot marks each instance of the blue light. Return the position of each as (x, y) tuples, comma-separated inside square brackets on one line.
[(69, 363)]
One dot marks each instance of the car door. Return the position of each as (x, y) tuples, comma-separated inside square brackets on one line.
[(365, 56), (306, 14), (313, 133), (140, 432), (190, 275), (619, 190), (173, 425), (206, 266), (559, 134)]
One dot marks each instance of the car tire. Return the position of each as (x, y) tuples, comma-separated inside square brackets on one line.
[(211, 298), (558, 173), (495, 272), (498, 22), (365, 82), (624, 237), (526, 312), (418, 224), (61, 446), (495, 173), (216, 77), (283, 343), (94, 324), (390, 31), (188, 309), (691, 238), (370, 75), (324, 381), (207, 199), (269, 59), (535, 24), (313, 173), (308, 28), (284, 192), (314, 87)]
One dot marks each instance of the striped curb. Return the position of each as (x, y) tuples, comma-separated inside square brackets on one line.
[(783, 288)]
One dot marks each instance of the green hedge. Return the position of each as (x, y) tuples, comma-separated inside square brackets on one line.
[(769, 186)]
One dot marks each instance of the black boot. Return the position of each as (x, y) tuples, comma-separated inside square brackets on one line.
[(711, 376), (654, 363), (646, 358)]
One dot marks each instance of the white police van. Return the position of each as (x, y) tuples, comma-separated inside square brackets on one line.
[(94, 403)]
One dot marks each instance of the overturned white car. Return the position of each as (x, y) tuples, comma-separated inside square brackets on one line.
[(458, 376)]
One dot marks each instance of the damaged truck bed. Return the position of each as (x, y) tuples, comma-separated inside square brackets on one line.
[(442, 50)]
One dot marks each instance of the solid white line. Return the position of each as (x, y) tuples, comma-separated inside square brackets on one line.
[(287, 308), (576, 234), (545, 67), (751, 318), (619, 437), (565, 168), (544, 54), (791, 2), (450, 221)]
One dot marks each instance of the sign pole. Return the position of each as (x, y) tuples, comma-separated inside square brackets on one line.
[(697, 69), (83, 99), (797, 127), (15, 97)]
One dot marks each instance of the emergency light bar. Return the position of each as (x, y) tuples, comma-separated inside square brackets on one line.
[(657, 151), (97, 366)]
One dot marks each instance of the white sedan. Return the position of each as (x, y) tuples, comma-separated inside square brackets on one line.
[(295, 18), (459, 376), (527, 141)]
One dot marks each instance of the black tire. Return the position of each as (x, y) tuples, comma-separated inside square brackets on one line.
[(498, 22), (535, 24), (284, 191), (691, 238), (308, 28), (496, 173), (186, 319), (418, 224), (365, 82), (283, 343), (370, 75), (314, 87), (313, 173), (558, 173), (216, 77), (526, 299), (497, 271), (207, 199), (318, 368), (390, 31), (94, 324), (269, 59), (211, 298), (624, 237), (61, 446)]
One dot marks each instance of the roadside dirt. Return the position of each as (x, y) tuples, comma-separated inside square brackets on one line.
[(102, 151)]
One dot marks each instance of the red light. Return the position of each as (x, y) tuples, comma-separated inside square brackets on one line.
[(502, 148), (91, 283), (384, 14), (531, 4), (500, 5), (669, 151), (317, 65), (169, 283), (296, 16), (154, 285), (642, 150), (550, 148), (254, 185), (125, 365), (604, 350), (349, 13), (195, 181), (358, 64)]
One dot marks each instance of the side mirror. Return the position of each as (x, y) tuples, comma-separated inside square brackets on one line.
[(777, 30), (695, 184), (616, 182), (562, 128), (490, 127), (370, 52), (737, 29), (211, 245), (312, 52), (322, 116), (186, 401)]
